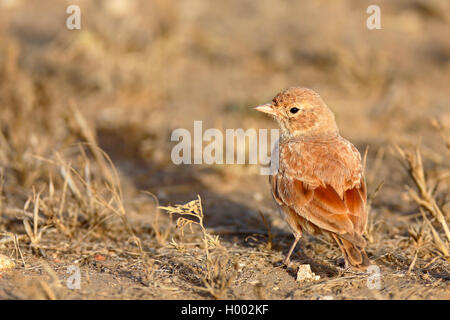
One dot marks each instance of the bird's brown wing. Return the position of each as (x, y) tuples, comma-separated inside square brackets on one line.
[(322, 206), (311, 191)]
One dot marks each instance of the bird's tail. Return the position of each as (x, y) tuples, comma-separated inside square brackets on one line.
[(353, 252)]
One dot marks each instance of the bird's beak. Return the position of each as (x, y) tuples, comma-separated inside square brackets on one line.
[(266, 108)]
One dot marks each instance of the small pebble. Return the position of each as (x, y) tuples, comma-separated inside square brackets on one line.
[(304, 273), (6, 263)]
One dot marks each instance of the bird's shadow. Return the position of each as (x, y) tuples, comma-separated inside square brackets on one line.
[(299, 257)]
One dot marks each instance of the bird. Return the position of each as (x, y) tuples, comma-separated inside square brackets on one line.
[(318, 185)]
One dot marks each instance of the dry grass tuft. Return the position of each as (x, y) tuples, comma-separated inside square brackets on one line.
[(214, 272), (424, 195)]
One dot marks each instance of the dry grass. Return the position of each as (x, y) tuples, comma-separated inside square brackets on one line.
[(425, 195), (214, 273), (85, 124)]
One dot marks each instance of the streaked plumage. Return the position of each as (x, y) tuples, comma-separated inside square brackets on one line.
[(319, 185)]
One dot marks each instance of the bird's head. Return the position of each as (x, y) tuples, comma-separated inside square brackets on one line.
[(300, 111)]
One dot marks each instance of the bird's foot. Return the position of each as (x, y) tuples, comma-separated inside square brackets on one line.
[(286, 262)]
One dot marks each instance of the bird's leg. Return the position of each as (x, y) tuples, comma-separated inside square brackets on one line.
[(287, 260)]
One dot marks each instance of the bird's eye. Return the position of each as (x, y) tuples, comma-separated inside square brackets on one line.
[(294, 110)]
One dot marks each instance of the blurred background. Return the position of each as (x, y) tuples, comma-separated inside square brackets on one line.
[(140, 69), (137, 70)]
